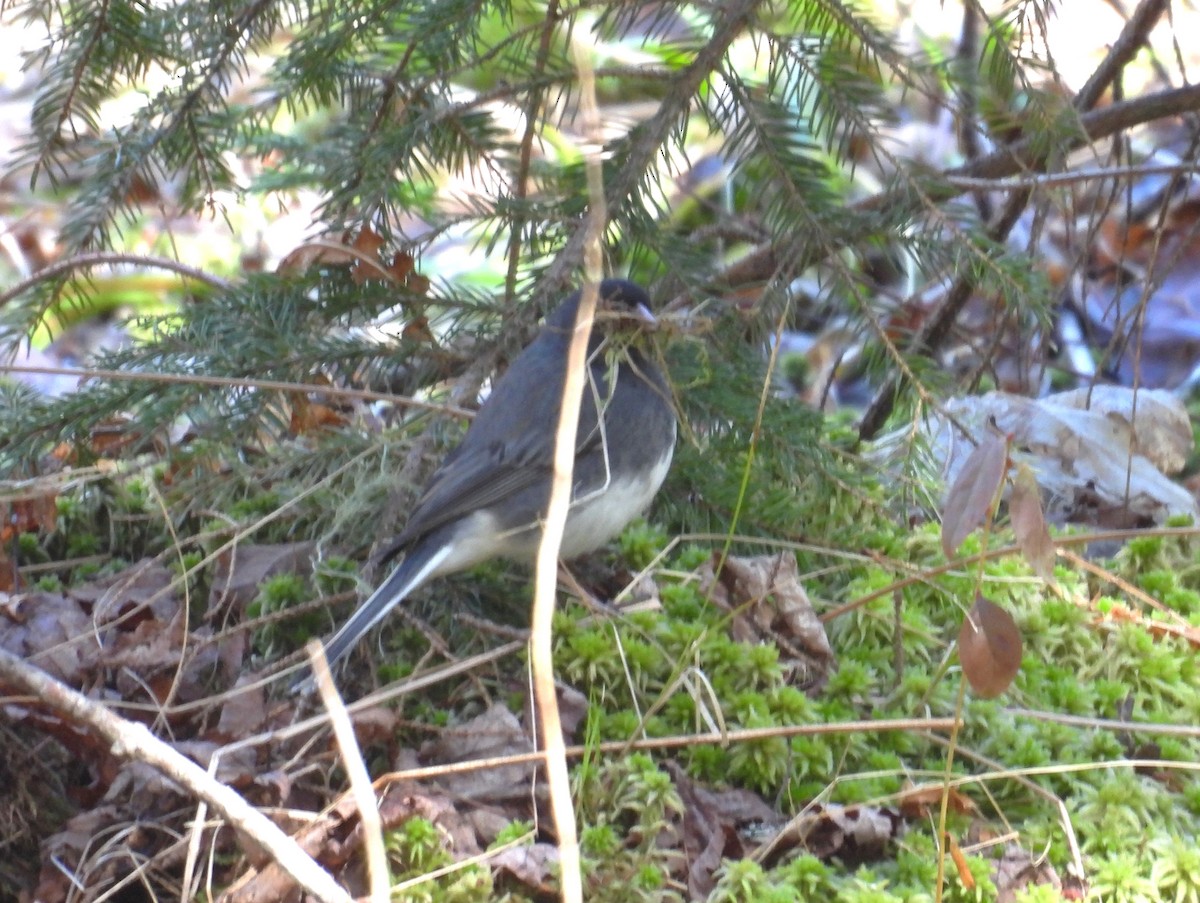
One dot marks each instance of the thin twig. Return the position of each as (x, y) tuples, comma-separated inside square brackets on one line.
[(533, 118), (935, 329), (106, 258), (645, 142), (239, 382), (133, 742), (356, 769), (541, 653), (1075, 176), (723, 739)]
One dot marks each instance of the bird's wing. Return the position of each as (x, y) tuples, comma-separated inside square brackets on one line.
[(500, 458)]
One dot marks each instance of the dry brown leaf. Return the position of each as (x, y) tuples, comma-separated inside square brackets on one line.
[(401, 267), (960, 863), (66, 848), (854, 834), (769, 604), (917, 800), (110, 437), (1017, 869), (368, 241), (238, 571), (1029, 524), (311, 416), (573, 708), (9, 580), (417, 284), (33, 514), (140, 592), (417, 330), (50, 637), (534, 866), (712, 823), (244, 710), (971, 498), (328, 252), (374, 724), (1091, 451), (989, 647), (496, 732)]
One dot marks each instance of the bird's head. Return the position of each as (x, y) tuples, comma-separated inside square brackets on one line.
[(619, 303)]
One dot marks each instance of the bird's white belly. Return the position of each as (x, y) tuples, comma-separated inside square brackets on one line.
[(597, 517)]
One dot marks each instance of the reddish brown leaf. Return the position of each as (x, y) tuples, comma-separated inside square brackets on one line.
[(112, 436), (29, 515), (417, 284), (369, 265), (989, 646), (1029, 524), (368, 242), (969, 501), (8, 579), (960, 863), (916, 801), (310, 416), (417, 330), (401, 266)]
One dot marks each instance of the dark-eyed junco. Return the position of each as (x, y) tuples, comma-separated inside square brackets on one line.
[(488, 497)]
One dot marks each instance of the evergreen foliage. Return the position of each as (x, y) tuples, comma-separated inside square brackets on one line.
[(751, 174), (377, 109)]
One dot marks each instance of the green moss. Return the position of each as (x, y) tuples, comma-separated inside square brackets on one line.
[(513, 832), (1038, 893), (640, 542), (1122, 878), (1074, 663), (278, 594), (254, 507), (599, 841), (739, 881), (336, 574), (29, 549), (417, 848), (1175, 872), (682, 601)]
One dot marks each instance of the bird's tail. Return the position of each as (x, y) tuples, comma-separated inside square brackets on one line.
[(407, 576)]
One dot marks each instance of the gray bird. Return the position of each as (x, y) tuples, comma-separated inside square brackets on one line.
[(489, 496)]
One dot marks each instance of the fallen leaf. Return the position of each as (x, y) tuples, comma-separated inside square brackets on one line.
[(534, 866), (918, 800), (854, 834), (1029, 524), (712, 820), (769, 604), (239, 571), (1017, 869), (989, 647), (960, 863), (1104, 451), (497, 732), (973, 494)]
